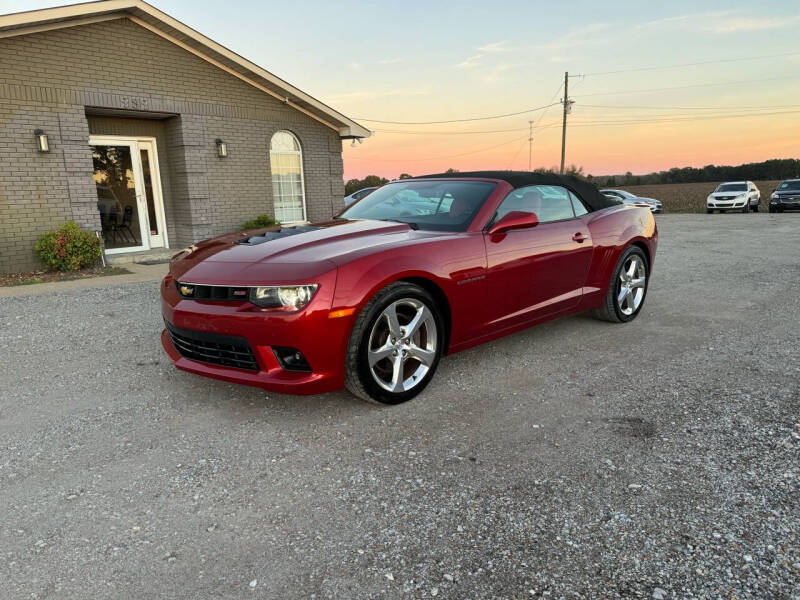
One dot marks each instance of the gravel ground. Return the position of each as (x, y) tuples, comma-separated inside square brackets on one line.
[(579, 459)]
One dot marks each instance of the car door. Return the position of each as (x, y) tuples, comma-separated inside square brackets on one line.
[(541, 270)]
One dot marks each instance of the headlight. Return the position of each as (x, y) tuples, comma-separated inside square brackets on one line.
[(742, 195), (774, 196), (289, 298)]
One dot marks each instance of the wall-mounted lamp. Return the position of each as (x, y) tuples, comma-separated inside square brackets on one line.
[(42, 143), (222, 148)]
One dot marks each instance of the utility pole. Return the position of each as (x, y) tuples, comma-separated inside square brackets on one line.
[(564, 123), (530, 144)]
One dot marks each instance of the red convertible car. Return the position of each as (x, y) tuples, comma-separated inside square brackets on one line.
[(422, 267)]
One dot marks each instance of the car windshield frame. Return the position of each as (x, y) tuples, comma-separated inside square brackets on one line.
[(424, 204), (731, 187)]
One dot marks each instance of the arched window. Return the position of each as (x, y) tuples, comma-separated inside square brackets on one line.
[(286, 162)]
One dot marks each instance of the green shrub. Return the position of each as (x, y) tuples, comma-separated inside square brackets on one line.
[(68, 248), (260, 222)]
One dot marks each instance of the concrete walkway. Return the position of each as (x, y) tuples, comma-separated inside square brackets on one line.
[(138, 273)]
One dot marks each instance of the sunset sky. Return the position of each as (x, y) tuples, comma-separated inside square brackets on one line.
[(642, 101)]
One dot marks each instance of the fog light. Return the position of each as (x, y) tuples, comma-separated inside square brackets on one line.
[(291, 359)]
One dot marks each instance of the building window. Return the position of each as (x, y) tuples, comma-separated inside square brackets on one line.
[(286, 161)]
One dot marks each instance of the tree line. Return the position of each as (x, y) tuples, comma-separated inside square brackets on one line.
[(776, 168)]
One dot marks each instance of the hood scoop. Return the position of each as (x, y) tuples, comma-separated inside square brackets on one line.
[(255, 240)]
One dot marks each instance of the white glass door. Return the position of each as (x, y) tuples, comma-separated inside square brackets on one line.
[(129, 197)]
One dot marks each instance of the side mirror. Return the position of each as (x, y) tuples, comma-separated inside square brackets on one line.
[(514, 220)]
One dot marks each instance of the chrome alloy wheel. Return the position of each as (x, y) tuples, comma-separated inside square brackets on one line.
[(402, 345), (632, 280)]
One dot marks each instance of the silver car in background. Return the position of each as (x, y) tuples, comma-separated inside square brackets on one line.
[(363, 192), (628, 198)]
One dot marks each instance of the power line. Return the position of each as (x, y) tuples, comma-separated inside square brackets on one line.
[(631, 107), (615, 123), (644, 119), (439, 157), (398, 131), (514, 114), (693, 64), (682, 87), (680, 119)]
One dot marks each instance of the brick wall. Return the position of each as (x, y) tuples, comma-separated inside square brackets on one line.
[(47, 81)]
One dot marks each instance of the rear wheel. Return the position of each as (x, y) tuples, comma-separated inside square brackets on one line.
[(395, 345), (628, 288)]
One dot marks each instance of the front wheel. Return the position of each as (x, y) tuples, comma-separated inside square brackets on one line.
[(395, 345), (628, 287), (710, 211)]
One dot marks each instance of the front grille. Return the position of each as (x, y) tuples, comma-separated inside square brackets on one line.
[(725, 197), (214, 349), (192, 291)]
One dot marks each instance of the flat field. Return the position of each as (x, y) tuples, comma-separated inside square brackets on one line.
[(691, 197)]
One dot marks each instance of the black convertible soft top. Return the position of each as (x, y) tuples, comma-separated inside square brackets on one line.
[(593, 199)]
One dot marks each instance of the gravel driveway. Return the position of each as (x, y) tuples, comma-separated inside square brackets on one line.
[(579, 459)]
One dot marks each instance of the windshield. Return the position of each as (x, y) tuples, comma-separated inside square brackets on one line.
[(433, 205), (620, 193), (732, 187), (790, 185)]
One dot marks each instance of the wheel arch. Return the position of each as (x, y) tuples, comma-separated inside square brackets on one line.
[(644, 248), (430, 286)]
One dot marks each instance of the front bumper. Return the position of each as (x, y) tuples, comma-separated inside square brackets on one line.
[(321, 339), (785, 204), (726, 204)]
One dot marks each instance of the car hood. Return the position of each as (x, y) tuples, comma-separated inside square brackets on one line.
[(286, 254)]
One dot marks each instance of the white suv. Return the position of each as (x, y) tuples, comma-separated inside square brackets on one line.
[(734, 195)]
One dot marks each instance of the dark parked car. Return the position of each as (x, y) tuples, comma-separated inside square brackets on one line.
[(786, 196), (418, 269)]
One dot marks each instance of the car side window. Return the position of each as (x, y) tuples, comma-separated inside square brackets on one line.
[(549, 202), (577, 205)]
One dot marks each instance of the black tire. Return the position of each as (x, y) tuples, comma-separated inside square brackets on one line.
[(359, 379), (754, 208), (710, 211), (610, 310), (771, 209)]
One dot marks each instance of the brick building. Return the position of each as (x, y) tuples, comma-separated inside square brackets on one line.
[(128, 122)]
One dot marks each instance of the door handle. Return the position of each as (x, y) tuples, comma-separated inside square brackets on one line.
[(579, 237)]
